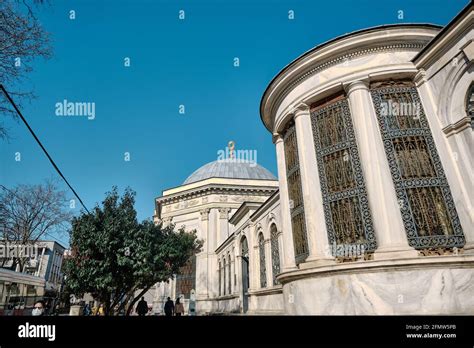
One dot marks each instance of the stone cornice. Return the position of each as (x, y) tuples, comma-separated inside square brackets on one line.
[(277, 289), (457, 127), (422, 263), (320, 66), (216, 189)]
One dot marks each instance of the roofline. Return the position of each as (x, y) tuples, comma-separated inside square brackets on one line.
[(256, 212), (222, 177), (218, 186), (240, 209), (469, 7), (213, 177), (52, 241), (338, 38)]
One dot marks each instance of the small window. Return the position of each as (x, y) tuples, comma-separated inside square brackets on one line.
[(470, 104)]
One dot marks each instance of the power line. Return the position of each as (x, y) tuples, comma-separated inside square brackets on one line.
[(41, 145)]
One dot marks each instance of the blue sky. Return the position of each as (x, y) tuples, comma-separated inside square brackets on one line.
[(173, 62)]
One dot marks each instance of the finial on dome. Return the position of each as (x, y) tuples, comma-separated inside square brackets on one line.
[(231, 146)]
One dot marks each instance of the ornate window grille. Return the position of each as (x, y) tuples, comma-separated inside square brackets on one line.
[(186, 278), (230, 277), (346, 206), (298, 224), (261, 252), (425, 200), (220, 279), (245, 254), (275, 253), (470, 105), (224, 271)]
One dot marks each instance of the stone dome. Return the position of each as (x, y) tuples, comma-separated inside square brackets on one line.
[(232, 170)]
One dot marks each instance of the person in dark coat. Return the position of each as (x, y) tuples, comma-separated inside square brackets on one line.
[(169, 308), (142, 307)]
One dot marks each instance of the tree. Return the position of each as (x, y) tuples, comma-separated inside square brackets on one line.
[(22, 39), (29, 212), (114, 256)]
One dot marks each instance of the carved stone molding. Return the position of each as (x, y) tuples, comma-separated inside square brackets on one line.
[(224, 213), (205, 214), (223, 198), (341, 59)]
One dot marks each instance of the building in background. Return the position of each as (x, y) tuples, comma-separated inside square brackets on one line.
[(41, 277), (372, 212)]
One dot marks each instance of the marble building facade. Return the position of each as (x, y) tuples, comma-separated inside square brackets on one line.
[(374, 143)]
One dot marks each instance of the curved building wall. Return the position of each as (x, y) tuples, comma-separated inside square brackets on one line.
[(384, 170)]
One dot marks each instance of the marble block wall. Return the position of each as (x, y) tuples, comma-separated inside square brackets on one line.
[(444, 291)]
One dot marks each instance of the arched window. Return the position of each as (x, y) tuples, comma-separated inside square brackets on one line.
[(219, 271), (275, 253), (230, 275), (224, 270), (263, 270), (245, 264), (470, 104), (423, 193)]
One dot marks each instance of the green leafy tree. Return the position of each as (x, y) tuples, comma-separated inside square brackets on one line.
[(117, 259)]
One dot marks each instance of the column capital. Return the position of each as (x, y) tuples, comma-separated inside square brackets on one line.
[(276, 138), (356, 85), (420, 77), (205, 214), (224, 213), (300, 109)]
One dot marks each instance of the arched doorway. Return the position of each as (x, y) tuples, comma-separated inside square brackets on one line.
[(245, 274)]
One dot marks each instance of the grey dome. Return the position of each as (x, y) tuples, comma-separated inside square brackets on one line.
[(230, 169)]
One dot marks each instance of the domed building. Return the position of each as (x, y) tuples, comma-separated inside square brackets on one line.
[(220, 201), (372, 211)]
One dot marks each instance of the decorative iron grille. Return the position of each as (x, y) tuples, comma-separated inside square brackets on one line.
[(275, 253), (186, 278), (346, 206), (230, 275), (245, 254), (224, 271), (300, 239), (219, 271), (263, 269), (428, 211)]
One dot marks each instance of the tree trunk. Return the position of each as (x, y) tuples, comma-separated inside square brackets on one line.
[(136, 299)]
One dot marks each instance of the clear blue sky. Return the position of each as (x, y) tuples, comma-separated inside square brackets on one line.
[(173, 62)]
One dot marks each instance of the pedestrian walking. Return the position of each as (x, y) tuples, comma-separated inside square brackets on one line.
[(142, 307), (178, 308), (169, 307)]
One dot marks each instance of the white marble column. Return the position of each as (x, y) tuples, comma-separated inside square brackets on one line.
[(268, 263), (288, 251), (232, 271), (223, 225), (202, 259), (317, 235), (390, 232), (253, 257)]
